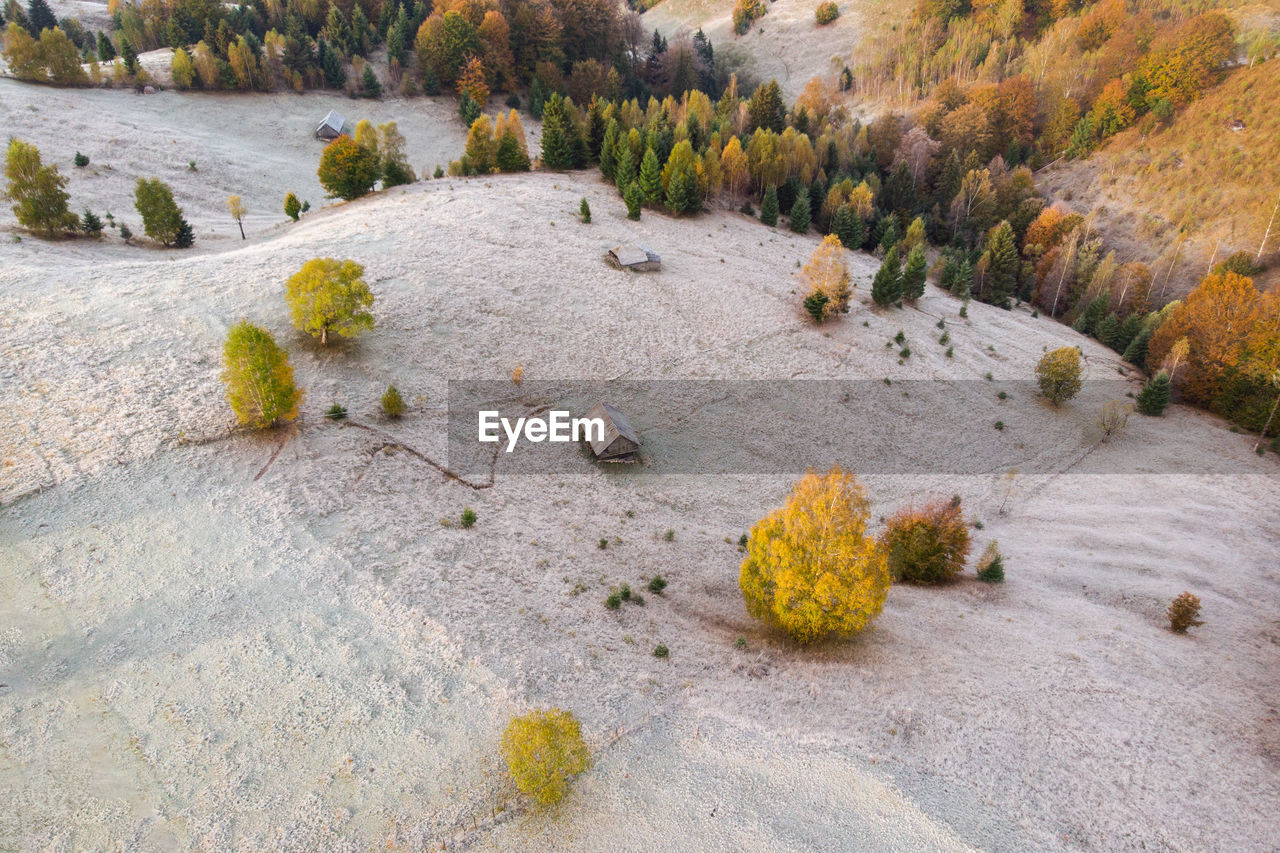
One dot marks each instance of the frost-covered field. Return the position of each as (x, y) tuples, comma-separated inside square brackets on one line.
[(218, 641)]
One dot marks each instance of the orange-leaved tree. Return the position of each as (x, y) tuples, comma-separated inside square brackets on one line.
[(812, 569)]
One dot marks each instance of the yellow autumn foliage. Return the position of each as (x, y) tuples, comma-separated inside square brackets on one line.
[(811, 567), (542, 749), (828, 275)]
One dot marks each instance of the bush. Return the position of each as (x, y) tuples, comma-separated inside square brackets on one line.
[(926, 545), (91, 224), (81, 160), (1059, 374), (826, 13), (661, 651), (1184, 613), (259, 378), (40, 202), (614, 600), (328, 295), (991, 564), (657, 584), (348, 170), (468, 517), (811, 567), (542, 750), (1154, 397), (161, 217), (336, 412), (392, 403), (292, 208), (1114, 418)]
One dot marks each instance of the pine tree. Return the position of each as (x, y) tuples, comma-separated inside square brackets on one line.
[(1002, 270), (1092, 315), (962, 283), (1129, 330), (1154, 396), (886, 288), (799, 219), (91, 224), (469, 111), (1136, 351), (624, 171), (608, 159), (1107, 329), (40, 17), (557, 147), (335, 75), (369, 81), (106, 50), (185, 237), (651, 177), (510, 156), (847, 225), (129, 55), (537, 98), (767, 109), (888, 236), (584, 211), (634, 198), (682, 191), (769, 207), (913, 275)]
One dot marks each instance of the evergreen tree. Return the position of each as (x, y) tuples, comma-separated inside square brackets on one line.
[(129, 55), (847, 225), (608, 159), (430, 82), (1093, 314), (337, 31), (292, 207), (800, 213), (537, 98), (40, 17), (369, 81), (889, 236), (1136, 351), (557, 146), (91, 224), (1002, 271), (185, 237), (335, 75), (510, 157), (886, 288), (651, 177), (767, 108), (633, 197), (769, 207), (682, 191), (913, 275), (106, 50), (625, 168), (469, 111), (1154, 396), (1107, 330), (584, 212), (815, 305), (1128, 330)]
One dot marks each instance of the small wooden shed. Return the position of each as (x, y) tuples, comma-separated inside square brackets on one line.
[(619, 443), (332, 126), (635, 258)]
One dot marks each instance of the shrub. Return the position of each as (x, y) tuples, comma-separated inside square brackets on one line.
[(40, 202), (392, 403), (1184, 613), (811, 567), (328, 295), (613, 601), (347, 169), (926, 545), (657, 584), (125, 234), (1059, 374), (468, 517), (542, 750), (584, 211), (1154, 397), (161, 217), (746, 11), (438, 173), (991, 564), (602, 544), (336, 412), (661, 651), (826, 13), (91, 224), (292, 207), (258, 377), (513, 101), (81, 160), (1114, 418), (669, 536), (625, 592)]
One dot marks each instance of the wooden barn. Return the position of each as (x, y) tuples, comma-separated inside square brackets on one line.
[(619, 443), (332, 126), (634, 258)]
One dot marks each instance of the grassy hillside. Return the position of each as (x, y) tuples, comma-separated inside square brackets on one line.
[(1197, 182)]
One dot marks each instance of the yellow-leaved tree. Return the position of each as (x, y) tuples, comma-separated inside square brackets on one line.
[(330, 296), (258, 377), (542, 750), (826, 281), (811, 568)]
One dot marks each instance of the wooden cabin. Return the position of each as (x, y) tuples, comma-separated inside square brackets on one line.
[(619, 443)]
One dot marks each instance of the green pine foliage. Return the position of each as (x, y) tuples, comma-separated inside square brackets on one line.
[(848, 226), (1004, 264), (634, 199), (914, 274), (1154, 397), (651, 177), (1092, 315), (769, 208), (886, 288), (557, 145), (991, 564), (584, 212), (800, 217), (1108, 329)]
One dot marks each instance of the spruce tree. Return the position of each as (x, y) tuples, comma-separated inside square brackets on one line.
[(608, 158), (1154, 396), (40, 17), (185, 238), (847, 225), (886, 288), (1129, 330), (369, 82), (799, 218), (584, 211), (651, 177), (557, 147), (430, 82), (1107, 329), (1136, 351), (91, 224), (962, 285), (1002, 272), (537, 98), (106, 50), (769, 207), (510, 157), (889, 234), (129, 55), (682, 191), (913, 275), (1092, 315), (625, 166), (633, 197)]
